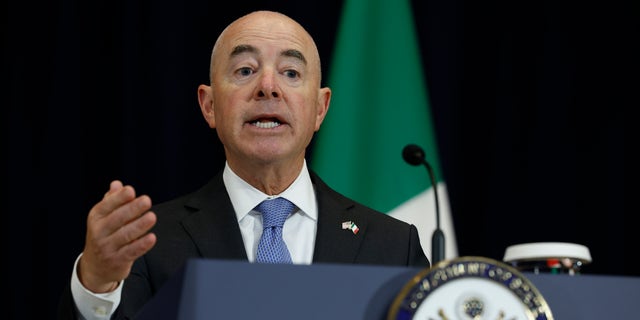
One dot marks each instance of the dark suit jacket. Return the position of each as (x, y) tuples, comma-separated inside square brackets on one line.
[(203, 224)]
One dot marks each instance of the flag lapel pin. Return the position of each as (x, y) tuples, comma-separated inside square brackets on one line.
[(351, 226)]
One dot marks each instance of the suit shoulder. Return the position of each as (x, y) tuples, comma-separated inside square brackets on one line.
[(352, 206)]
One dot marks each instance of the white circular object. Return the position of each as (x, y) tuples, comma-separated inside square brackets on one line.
[(547, 250)]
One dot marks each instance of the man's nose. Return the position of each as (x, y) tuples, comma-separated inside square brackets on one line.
[(267, 86)]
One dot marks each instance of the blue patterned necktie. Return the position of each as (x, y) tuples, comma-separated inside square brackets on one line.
[(272, 248)]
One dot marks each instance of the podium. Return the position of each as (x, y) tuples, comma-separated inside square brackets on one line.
[(220, 289)]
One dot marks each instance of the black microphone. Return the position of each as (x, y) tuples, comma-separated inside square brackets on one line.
[(414, 155)]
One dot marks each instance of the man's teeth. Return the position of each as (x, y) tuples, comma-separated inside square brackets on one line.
[(266, 125)]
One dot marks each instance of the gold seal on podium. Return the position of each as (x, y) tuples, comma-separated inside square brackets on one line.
[(473, 288)]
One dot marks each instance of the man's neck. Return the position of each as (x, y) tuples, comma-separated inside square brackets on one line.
[(270, 179)]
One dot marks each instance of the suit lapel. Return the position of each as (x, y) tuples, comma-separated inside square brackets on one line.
[(333, 243), (213, 225)]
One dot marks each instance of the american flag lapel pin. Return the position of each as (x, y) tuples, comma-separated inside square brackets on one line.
[(351, 226)]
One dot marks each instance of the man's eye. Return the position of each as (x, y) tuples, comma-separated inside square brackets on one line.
[(291, 74), (245, 71)]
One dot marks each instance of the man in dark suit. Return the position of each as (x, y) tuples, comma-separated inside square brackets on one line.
[(265, 101)]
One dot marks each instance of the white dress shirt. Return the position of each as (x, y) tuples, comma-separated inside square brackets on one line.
[(299, 233)]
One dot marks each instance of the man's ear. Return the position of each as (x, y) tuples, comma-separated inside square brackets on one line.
[(324, 98), (205, 99)]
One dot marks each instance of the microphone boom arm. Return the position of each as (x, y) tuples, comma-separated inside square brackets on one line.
[(414, 155)]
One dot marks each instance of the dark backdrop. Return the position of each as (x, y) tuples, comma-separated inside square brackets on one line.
[(529, 100)]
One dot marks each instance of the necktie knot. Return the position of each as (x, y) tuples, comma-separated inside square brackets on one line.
[(275, 211)]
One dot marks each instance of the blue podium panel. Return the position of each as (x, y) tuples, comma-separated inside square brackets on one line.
[(215, 289), (589, 296)]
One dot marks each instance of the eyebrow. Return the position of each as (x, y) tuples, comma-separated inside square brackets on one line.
[(244, 48)]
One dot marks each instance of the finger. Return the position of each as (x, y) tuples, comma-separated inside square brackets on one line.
[(112, 200), (133, 230), (106, 223), (141, 244), (113, 186)]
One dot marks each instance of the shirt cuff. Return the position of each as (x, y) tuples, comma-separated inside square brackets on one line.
[(93, 305)]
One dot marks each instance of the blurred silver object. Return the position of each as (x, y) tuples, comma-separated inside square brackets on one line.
[(548, 257)]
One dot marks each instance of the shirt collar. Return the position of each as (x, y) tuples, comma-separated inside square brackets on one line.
[(245, 197)]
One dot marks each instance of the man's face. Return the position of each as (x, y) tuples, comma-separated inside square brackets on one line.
[(266, 95)]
